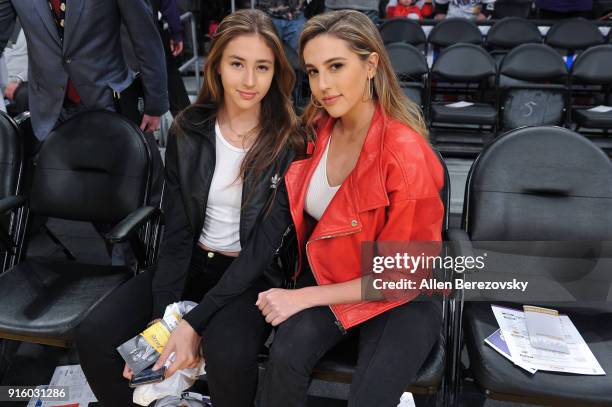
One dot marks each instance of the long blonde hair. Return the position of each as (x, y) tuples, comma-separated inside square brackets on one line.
[(363, 38)]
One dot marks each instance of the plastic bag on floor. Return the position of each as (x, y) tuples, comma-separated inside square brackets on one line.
[(187, 399), (174, 386)]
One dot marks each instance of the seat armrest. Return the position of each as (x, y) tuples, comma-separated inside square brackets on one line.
[(8, 204), (459, 242), (11, 202), (130, 224)]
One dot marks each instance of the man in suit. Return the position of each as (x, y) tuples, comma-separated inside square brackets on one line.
[(172, 38), (76, 62)]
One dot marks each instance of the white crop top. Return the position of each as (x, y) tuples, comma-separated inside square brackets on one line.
[(319, 193), (221, 229)]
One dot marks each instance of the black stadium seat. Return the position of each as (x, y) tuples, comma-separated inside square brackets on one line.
[(94, 167), (402, 30), (11, 166), (533, 90), (411, 68), (509, 33), (574, 34), (452, 31), (550, 189), (593, 67), (467, 68)]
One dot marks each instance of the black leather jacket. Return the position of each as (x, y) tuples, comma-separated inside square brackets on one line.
[(190, 164)]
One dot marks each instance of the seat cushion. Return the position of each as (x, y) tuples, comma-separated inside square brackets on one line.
[(479, 113), (496, 374), (49, 298), (339, 365), (597, 120)]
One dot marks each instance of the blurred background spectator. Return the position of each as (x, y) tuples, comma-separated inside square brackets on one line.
[(368, 7), (478, 10), (15, 85), (165, 11), (558, 9), (288, 18), (413, 9)]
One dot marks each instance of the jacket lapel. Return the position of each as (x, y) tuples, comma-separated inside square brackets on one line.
[(300, 172), (195, 171), (363, 189), (74, 8), (368, 184), (42, 8)]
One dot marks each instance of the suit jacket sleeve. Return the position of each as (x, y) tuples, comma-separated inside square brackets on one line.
[(7, 22), (149, 51), (177, 243)]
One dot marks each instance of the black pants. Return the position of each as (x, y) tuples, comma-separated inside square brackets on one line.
[(559, 15), (392, 348), (231, 341), (177, 94)]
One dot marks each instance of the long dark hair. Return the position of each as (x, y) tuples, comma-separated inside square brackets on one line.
[(278, 124)]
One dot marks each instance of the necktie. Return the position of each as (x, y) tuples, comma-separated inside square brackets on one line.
[(58, 7)]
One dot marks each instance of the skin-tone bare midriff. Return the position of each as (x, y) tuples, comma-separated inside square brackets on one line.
[(230, 254)]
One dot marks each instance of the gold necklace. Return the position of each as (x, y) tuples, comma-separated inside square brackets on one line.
[(239, 135)]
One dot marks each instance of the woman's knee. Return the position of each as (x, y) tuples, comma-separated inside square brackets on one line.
[(300, 342), (229, 354), (90, 332)]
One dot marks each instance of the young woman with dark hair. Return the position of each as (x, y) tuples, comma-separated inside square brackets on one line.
[(225, 160)]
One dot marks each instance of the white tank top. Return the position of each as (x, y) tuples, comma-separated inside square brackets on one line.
[(221, 229), (319, 193)]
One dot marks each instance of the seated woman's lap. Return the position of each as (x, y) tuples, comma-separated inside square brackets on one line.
[(231, 343), (392, 348)]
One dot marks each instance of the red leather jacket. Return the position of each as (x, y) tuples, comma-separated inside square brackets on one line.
[(392, 194)]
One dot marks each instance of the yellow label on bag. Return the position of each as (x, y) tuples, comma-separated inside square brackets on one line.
[(157, 334)]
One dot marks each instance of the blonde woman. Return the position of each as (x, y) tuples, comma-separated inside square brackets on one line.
[(372, 177)]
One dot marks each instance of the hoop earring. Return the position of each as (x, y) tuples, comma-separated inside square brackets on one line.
[(370, 86), (314, 102)]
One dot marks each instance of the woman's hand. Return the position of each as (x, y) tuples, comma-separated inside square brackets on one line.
[(184, 342), (127, 372), (277, 304)]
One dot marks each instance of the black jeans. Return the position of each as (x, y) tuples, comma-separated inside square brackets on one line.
[(560, 15), (392, 348), (231, 341)]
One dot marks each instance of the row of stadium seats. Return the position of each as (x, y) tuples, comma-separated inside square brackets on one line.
[(468, 97), (570, 35)]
